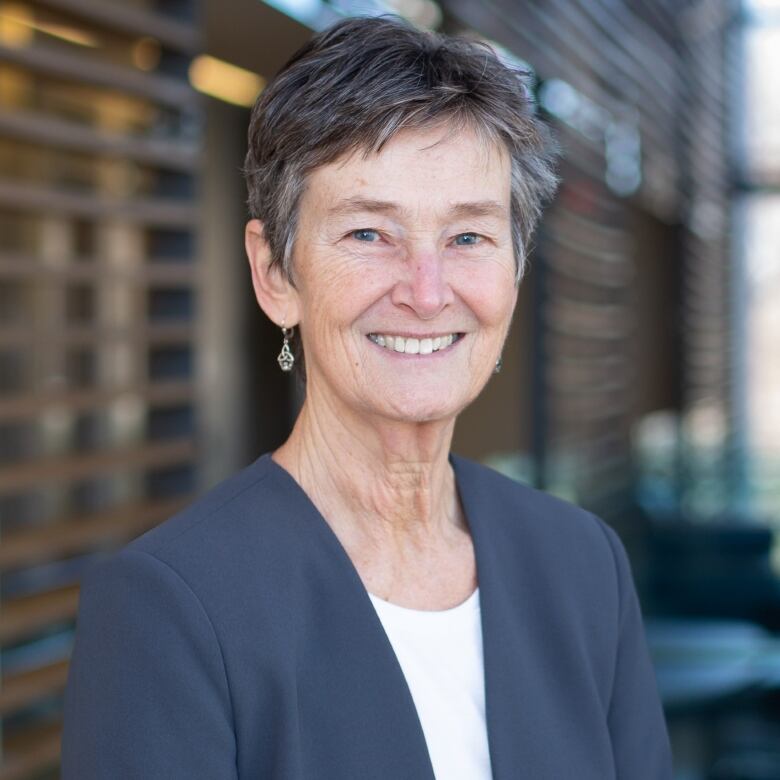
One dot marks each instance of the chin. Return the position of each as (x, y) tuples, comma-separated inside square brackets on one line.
[(420, 409), (422, 416)]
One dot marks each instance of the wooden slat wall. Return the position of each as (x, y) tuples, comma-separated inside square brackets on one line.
[(99, 153), (662, 67), (587, 359)]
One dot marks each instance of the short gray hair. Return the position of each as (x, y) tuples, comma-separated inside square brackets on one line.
[(356, 84)]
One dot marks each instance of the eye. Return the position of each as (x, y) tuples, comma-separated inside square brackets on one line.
[(365, 234), (467, 239)]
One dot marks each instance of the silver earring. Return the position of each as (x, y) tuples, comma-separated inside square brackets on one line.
[(286, 358), (499, 364)]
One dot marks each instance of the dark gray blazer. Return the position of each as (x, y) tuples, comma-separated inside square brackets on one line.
[(236, 640)]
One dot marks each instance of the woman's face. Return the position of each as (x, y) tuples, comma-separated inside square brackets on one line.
[(398, 254)]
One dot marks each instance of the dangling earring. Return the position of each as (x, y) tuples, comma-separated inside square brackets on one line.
[(286, 358), (499, 364)]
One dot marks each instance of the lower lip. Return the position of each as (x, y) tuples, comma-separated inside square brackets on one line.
[(436, 354)]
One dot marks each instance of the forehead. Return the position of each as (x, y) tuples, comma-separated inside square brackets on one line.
[(431, 169)]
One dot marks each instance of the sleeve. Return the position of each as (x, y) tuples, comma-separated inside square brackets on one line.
[(640, 742), (147, 694)]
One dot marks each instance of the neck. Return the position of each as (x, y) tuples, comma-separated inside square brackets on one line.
[(377, 483)]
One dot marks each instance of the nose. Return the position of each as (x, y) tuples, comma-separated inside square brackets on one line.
[(424, 287)]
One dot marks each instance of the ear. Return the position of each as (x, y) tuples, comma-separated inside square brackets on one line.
[(274, 291)]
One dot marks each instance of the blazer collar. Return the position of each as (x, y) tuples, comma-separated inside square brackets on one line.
[(509, 609), (505, 602)]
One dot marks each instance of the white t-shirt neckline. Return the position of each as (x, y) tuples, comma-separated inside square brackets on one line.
[(471, 603), (440, 654)]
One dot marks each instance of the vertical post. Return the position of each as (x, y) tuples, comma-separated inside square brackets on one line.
[(539, 408)]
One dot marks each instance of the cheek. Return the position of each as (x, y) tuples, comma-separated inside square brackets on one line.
[(336, 293), (492, 299)]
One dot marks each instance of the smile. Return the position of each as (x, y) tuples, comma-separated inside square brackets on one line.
[(413, 346)]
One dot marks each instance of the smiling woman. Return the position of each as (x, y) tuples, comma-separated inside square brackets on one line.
[(360, 602), (378, 252)]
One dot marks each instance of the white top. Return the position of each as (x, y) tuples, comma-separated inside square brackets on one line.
[(440, 654)]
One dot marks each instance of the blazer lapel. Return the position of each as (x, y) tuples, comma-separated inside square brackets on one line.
[(510, 609), (351, 668), (512, 586)]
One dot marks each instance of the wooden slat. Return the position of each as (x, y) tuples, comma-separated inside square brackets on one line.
[(87, 335), (595, 268), (595, 321), (26, 475), (583, 376), (663, 16), (567, 345), (51, 131), (566, 389), (87, 270), (612, 259), (164, 212), (60, 64), (129, 18), (596, 235), (32, 751), (575, 410), (17, 408), (658, 81), (26, 615), (634, 25), (26, 688), (32, 546), (541, 37)]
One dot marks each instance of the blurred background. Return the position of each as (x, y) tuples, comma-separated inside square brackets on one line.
[(641, 378)]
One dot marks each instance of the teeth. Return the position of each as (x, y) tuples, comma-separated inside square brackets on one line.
[(413, 346)]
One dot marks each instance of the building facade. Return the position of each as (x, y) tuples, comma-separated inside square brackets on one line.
[(135, 369)]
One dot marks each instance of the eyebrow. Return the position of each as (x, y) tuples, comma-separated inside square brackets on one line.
[(476, 208)]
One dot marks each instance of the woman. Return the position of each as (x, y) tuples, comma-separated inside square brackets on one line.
[(361, 604)]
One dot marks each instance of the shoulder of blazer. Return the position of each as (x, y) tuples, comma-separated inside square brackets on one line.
[(536, 542), (245, 526), (235, 499), (551, 575), (520, 508), (258, 526), (261, 503)]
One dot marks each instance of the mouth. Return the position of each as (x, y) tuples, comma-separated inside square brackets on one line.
[(409, 345)]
